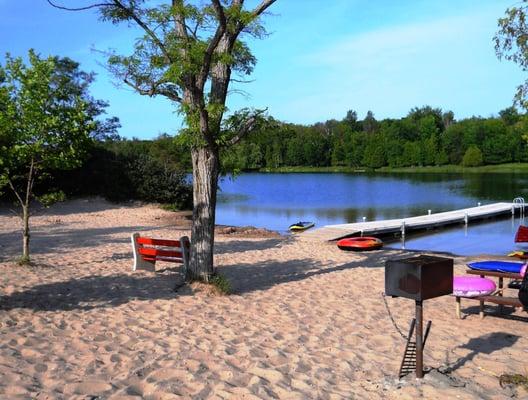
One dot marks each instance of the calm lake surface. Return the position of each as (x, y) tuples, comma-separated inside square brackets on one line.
[(275, 201)]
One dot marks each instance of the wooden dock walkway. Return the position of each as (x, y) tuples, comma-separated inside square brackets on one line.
[(403, 225)]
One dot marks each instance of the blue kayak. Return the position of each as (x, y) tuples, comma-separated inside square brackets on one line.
[(498, 266)]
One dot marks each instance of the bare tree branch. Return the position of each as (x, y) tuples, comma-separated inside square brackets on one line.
[(146, 28), (154, 90), (15, 192), (80, 8), (262, 7), (245, 128), (220, 30)]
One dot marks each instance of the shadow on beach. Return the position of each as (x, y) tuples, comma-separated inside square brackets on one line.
[(93, 292), (240, 246), (45, 241), (246, 277), (485, 344)]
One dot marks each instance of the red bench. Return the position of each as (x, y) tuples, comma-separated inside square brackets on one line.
[(148, 250)]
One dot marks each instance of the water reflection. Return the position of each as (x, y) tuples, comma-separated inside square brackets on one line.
[(275, 201)]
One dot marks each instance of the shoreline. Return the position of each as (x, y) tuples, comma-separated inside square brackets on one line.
[(455, 169)]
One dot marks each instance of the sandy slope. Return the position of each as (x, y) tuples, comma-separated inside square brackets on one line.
[(306, 320)]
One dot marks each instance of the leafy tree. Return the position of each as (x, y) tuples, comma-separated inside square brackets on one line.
[(472, 157), (188, 53), (374, 156), (46, 120), (510, 115), (511, 44), (419, 113), (352, 121), (448, 118), (369, 123)]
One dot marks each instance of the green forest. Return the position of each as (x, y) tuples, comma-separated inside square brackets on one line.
[(425, 137)]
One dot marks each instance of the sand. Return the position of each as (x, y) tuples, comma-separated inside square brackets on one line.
[(306, 321)]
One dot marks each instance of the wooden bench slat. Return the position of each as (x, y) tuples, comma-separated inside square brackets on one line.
[(494, 273), (158, 242), (502, 300), (147, 251)]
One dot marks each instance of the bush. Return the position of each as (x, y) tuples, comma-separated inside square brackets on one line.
[(472, 157), (131, 175), (51, 198)]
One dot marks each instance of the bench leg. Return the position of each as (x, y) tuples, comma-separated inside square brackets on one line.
[(481, 308), (458, 313), (139, 262)]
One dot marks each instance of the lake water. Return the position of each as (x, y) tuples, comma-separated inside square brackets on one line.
[(275, 201)]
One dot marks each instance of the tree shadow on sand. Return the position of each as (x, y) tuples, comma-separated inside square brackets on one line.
[(485, 344), (52, 241), (94, 292), (240, 246), (248, 277)]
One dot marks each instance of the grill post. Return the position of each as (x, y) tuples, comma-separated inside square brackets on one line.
[(419, 339)]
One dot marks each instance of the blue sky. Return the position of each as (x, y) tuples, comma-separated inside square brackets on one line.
[(321, 59)]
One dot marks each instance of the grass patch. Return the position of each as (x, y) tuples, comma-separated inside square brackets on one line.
[(458, 169), (500, 168), (302, 169), (24, 260), (221, 283), (170, 207), (514, 379)]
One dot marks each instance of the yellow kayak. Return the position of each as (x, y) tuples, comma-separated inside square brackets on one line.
[(301, 226)]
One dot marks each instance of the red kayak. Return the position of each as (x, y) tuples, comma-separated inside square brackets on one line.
[(360, 243)]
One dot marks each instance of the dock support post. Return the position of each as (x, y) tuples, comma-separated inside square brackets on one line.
[(466, 218), (403, 229)]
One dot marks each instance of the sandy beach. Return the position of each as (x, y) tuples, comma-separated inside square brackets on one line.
[(305, 321)]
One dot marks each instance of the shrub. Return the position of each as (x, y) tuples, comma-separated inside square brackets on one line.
[(472, 157)]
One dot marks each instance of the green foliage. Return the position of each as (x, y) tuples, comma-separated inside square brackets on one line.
[(511, 44), (419, 139), (128, 170), (24, 260), (47, 116), (472, 157), (514, 379), (48, 199), (221, 283)]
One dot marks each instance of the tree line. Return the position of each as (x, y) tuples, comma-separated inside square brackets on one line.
[(425, 137)]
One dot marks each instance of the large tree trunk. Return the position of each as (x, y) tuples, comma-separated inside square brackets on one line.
[(25, 232), (205, 183)]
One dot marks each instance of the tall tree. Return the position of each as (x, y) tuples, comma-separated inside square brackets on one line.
[(511, 43), (369, 123), (187, 54), (46, 120)]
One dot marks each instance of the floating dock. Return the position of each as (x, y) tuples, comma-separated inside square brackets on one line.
[(403, 225)]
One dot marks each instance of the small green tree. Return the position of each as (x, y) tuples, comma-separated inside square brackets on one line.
[(472, 157), (45, 123)]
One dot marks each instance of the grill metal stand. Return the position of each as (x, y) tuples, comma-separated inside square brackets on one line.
[(413, 355)]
